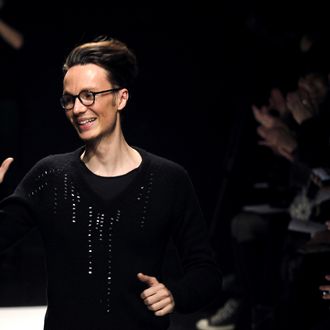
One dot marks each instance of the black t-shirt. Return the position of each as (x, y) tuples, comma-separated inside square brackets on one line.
[(100, 184)]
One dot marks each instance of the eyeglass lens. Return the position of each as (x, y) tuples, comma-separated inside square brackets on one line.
[(85, 97)]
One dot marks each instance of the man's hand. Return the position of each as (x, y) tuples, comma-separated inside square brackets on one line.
[(4, 167), (157, 297)]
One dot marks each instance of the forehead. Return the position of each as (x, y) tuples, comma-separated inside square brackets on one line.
[(82, 75)]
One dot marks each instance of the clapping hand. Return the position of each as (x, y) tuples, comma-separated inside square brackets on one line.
[(264, 117), (301, 106)]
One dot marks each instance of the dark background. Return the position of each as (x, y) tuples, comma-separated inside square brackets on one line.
[(202, 65)]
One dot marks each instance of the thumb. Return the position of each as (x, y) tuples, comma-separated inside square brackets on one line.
[(149, 280), (4, 167)]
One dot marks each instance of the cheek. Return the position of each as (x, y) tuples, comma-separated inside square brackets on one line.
[(109, 117)]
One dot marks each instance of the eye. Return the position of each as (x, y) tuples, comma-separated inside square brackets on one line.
[(86, 95), (66, 99)]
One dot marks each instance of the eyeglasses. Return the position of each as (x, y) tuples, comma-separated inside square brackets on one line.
[(85, 97)]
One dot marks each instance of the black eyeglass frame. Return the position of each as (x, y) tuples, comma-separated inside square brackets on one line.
[(73, 97)]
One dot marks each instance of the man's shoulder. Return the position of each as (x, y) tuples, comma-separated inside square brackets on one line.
[(58, 160), (160, 161)]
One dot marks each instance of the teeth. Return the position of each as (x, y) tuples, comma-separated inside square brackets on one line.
[(83, 122)]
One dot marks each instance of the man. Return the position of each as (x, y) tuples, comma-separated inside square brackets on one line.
[(107, 211)]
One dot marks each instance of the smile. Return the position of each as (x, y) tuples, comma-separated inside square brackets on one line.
[(86, 121)]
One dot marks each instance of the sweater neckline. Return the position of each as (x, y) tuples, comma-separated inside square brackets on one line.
[(88, 172), (122, 196)]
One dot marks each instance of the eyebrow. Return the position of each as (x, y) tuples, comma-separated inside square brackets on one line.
[(82, 90)]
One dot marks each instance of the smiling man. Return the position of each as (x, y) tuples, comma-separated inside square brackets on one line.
[(107, 211)]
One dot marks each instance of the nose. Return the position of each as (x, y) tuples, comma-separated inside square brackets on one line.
[(78, 107)]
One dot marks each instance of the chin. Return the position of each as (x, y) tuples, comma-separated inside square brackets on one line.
[(86, 137)]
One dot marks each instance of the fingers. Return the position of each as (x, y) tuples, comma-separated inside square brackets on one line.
[(286, 153), (262, 116), (151, 294), (4, 167), (166, 310), (157, 297), (157, 301), (278, 101), (300, 107)]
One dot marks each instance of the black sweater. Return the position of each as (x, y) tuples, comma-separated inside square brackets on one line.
[(96, 245)]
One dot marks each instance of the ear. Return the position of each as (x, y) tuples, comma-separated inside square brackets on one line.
[(122, 98)]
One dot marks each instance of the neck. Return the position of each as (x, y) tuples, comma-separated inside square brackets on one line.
[(111, 158)]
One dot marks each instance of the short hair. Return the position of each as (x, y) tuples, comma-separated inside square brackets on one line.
[(111, 54)]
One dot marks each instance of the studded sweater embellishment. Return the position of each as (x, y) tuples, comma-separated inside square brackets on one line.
[(100, 225), (144, 199)]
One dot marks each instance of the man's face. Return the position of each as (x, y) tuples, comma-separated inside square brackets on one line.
[(98, 120)]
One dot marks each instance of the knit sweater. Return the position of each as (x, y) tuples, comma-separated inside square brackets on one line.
[(95, 245)]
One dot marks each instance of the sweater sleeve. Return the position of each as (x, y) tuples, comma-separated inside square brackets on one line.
[(15, 221), (17, 213), (201, 281)]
